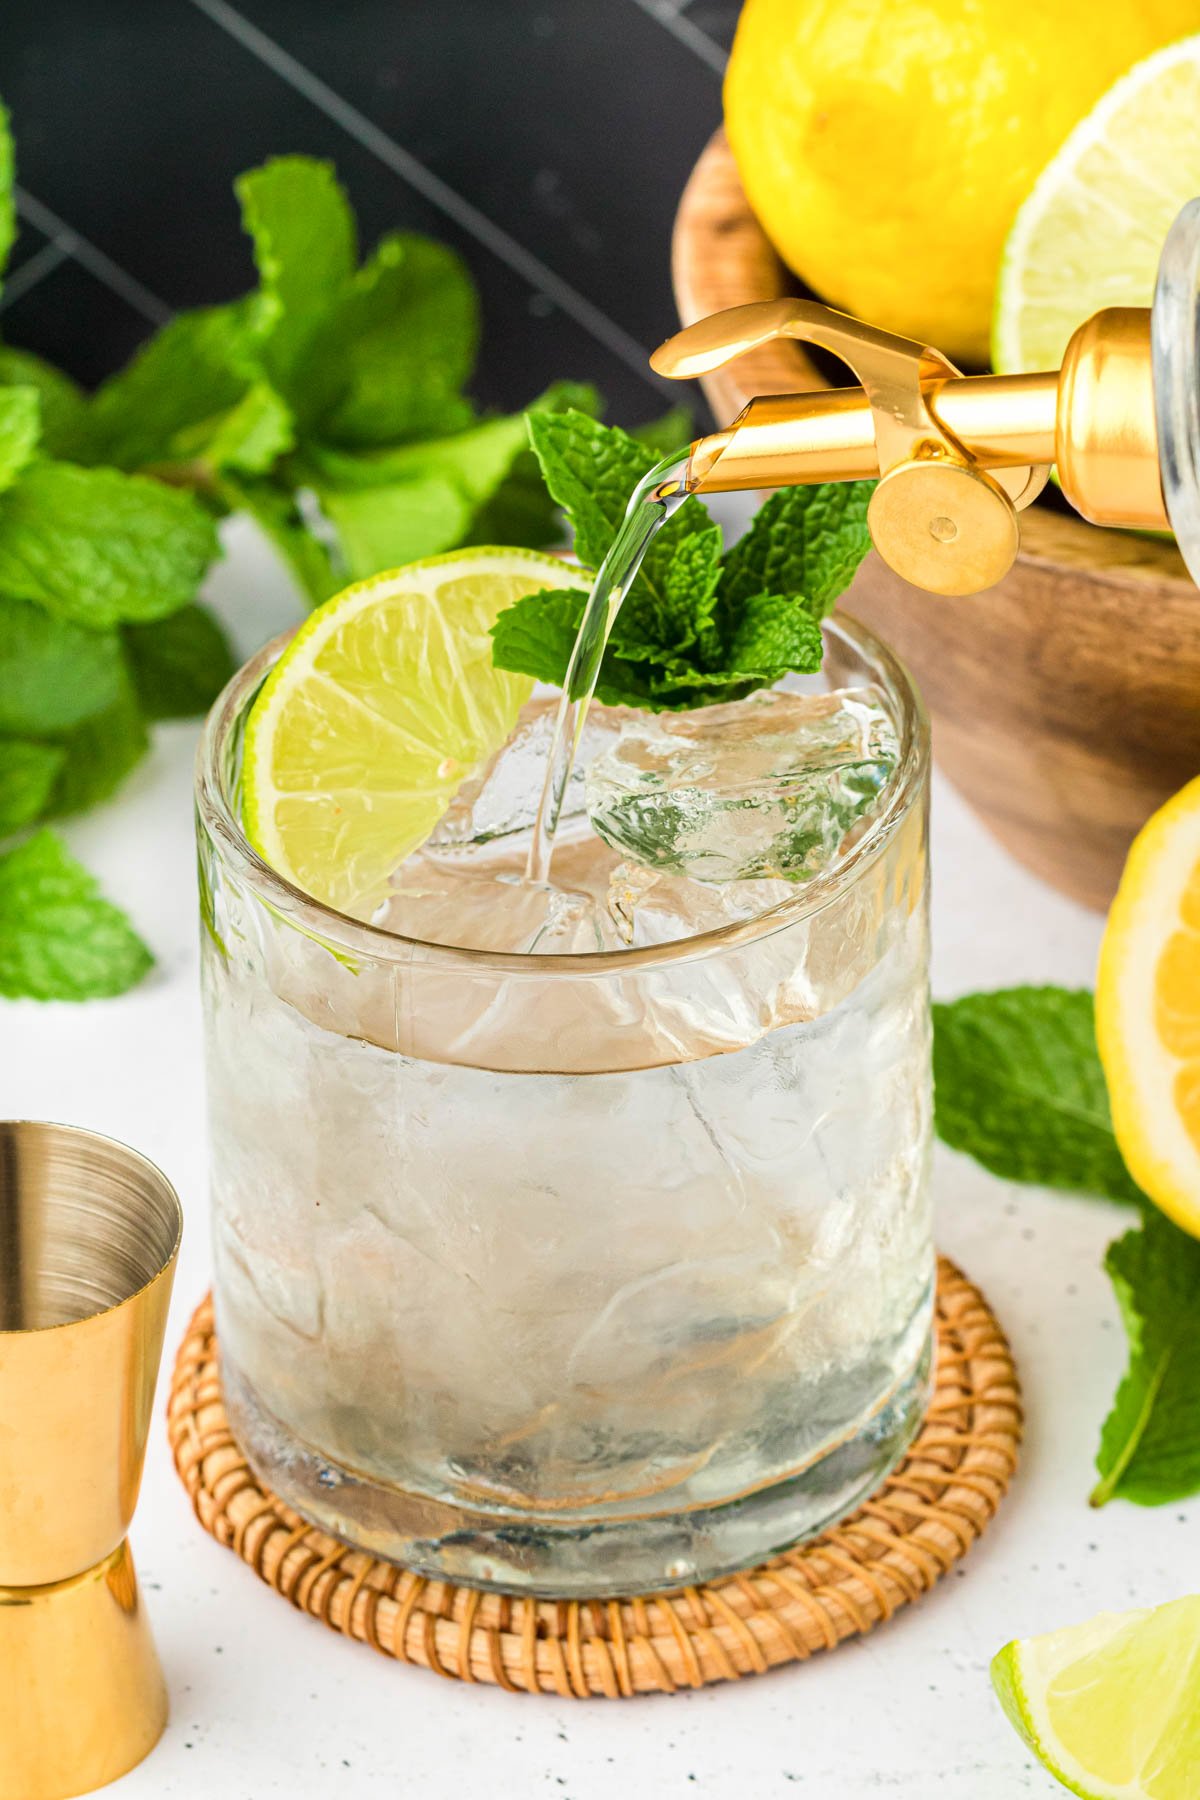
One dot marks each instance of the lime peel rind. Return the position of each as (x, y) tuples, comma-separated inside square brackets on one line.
[(382, 704), (1030, 329)]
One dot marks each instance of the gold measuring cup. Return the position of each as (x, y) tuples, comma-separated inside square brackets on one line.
[(89, 1235)]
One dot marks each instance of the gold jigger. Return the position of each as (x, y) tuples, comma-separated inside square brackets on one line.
[(89, 1234)]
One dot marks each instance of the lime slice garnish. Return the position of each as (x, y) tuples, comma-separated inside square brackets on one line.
[(1092, 229), (381, 705), (1112, 1707)]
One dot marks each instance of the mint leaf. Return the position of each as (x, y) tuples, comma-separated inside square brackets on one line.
[(53, 675), (179, 664), (1150, 1443), (278, 516), (8, 215), (98, 547), (773, 632), (385, 527), (476, 459), (197, 367), (804, 541), (59, 938), (591, 470), (390, 359), (99, 754), (249, 438), (27, 775), (536, 636), (20, 427), (305, 248), (1019, 1086), (393, 506), (62, 403)]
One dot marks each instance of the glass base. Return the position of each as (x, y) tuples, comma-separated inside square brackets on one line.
[(578, 1559)]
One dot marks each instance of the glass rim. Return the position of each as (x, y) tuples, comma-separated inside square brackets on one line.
[(355, 937)]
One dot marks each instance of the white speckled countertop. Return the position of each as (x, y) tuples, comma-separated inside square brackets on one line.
[(265, 1702)]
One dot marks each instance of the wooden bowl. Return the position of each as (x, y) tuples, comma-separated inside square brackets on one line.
[(1065, 700)]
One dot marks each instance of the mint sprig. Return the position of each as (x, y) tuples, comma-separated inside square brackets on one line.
[(59, 938), (697, 626), (1020, 1087), (1150, 1444)]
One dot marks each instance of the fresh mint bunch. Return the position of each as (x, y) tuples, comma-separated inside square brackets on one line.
[(1019, 1086), (93, 562), (699, 625), (329, 404)]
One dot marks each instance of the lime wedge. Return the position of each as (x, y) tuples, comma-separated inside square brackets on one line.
[(1112, 1707), (381, 705), (1090, 233)]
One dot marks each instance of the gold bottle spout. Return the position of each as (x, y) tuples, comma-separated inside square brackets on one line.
[(957, 457)]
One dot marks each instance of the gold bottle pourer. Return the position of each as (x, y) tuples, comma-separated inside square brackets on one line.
[(957, 456)]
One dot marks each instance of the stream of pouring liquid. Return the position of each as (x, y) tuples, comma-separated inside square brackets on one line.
[(659, 494)]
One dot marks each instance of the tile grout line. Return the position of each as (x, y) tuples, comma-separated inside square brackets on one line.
[(27, 274), (671, 16), (430, 186), (90, 257)]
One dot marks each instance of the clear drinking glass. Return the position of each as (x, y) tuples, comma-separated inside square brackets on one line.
[(574, 1274)]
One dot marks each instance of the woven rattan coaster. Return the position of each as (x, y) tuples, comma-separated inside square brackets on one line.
[(925, 1517)]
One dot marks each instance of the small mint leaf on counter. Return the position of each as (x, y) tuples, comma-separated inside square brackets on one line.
[(1150, 1443), (60, 939), (98, 547), (20, 428), (179, 664), (1019, 1086), (28, 771), (53, 675)]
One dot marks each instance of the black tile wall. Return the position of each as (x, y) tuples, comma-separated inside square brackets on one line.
[(548, 140)]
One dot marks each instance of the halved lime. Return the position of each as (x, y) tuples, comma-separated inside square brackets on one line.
[(1112, 1707), (383, 702), (1092, 229)]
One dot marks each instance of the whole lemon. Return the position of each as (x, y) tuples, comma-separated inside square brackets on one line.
[(885, 145)]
